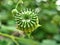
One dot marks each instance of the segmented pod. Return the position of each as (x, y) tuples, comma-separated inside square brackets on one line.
[(27, 20)]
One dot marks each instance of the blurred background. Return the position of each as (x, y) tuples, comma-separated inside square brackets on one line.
[(48, 12)]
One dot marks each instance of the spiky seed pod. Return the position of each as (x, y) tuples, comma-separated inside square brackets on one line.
[(27, 20)]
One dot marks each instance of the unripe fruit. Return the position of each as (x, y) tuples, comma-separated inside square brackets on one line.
[(27, 21)]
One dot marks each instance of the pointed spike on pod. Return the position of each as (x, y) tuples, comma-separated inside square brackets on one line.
[(25, 25), (22, 25), (39, 25), (32, 22), (28, 25)]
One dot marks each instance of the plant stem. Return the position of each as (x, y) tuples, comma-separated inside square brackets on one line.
[(11, 37), (20, 1)]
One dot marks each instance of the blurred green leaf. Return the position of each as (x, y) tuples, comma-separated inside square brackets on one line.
[(50, 28), (38, 34), (48, 42)]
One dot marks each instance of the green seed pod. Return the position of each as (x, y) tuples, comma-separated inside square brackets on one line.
[(27, 20)]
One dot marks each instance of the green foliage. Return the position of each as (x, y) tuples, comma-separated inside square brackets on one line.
[(22, 41), (50, 28), (46, 13), (40, 35), (28, 42), (48, 42), (5, 41), (56, 20), (57, 37)]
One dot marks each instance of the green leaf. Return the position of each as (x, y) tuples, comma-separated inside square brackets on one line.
[(48, 42), (57, 37), (38, 33), (50, 28), (24, 41)]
